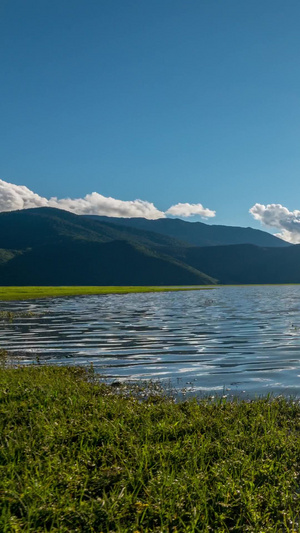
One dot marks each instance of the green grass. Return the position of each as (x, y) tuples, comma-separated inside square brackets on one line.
[(26, 293), (79, 456)]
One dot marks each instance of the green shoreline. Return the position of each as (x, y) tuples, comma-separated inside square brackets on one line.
[(80, 455), (26, 293)]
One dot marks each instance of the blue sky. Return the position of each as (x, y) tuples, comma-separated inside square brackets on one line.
[(167, 101)]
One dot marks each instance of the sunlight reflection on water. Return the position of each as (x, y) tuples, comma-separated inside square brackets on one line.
[(234, 338)]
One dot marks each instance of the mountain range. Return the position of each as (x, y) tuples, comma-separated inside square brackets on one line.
[(198, 233), (47, 246)]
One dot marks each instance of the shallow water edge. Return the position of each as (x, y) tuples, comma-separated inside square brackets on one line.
[(232, 340)]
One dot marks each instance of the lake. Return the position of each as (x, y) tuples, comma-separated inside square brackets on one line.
[(228, 340)]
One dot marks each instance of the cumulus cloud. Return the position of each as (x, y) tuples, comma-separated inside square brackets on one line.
[(14, 197), (96, 204), (188, 210), (278, 216)]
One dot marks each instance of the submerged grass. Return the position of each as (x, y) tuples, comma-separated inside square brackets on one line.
[(26, 293), (10, 316), (80, 456)]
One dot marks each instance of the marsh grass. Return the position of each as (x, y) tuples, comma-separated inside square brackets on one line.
[(4, 357), (27, 293), (10, 316), (77, 455)]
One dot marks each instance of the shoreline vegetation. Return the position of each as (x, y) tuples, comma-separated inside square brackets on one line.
[(27, 293), (78, 454), (36, 292)]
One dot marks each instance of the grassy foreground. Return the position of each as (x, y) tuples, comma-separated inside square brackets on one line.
[(78, 456), (26, 293)]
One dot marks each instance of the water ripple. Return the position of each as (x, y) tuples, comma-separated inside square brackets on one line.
[(239, 339)]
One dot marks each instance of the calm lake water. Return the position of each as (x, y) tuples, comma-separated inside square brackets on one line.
[(243, 340)]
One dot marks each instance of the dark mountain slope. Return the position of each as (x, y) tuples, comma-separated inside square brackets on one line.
[(93, 263), (39, 226), (53, 247), (7, 255), (31, 227), (247, 263), (200, 234)]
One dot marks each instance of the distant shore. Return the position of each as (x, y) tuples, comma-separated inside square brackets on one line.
[(27, 293)]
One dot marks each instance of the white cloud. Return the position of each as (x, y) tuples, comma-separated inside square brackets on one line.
[(96, 204), (278, 216), (188, 210), (13, 197), (18, 197)]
